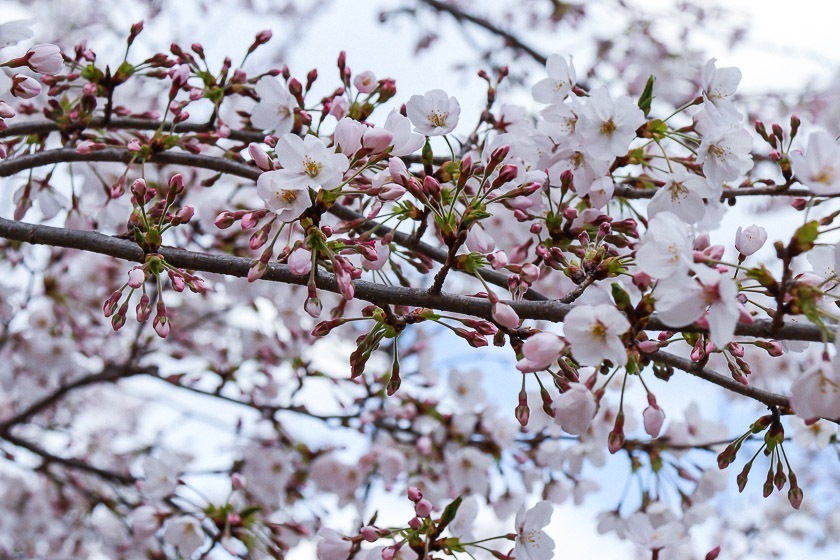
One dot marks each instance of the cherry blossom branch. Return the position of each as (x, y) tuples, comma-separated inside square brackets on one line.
[(686, 365), (462, 16), (551, 310), (72, 463), (108, 376), (39, 159)]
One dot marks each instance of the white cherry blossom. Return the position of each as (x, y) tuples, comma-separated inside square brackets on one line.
[(725, 154), (307, 164), (185, 534), (594, 333), (275, 109), (819, 167), (575, 408), (532, 543), (666, 249), (608, 126), (684, 195), (558, 84), (433, 114)]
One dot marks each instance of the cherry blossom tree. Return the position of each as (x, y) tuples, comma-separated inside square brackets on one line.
[(228, 286)]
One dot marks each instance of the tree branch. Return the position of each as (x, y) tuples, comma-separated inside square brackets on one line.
[(686, 365), (551, 310), (462, 16)]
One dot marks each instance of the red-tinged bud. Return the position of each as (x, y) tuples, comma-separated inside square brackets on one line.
[(398, 171), (521, 215), (759, 128), (111, 303), (566, 179), (327, 231), (177, 280), (697, 353), (387, 89), (584, 238), (198, 49), (523, 413), (24, 87), (775, 155), (310, 78), (570, 213), (778, 132), (250, 220), (736, 349), (795, 494), (118, 188), (415, 523), (224, 220), (261, 38), (414, 493), (743, 476), (642, 280), (467, 165), (369, 533), (143, 309), (257, 270), (423, 508), (118, 320), (498, 156), (794, 125), (161, 325), (604, 230), (508, 173), (485, 328), (431, 187), (313, 307), (259, 238), (615, 440), (342, 62), (184, 215), (134, 32), (391, 192), (648, 346), (772, 347), (295, 88), (196, 285), (713, 554), (138, 189)]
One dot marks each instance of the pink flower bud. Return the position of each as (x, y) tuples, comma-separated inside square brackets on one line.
[(136, 277), (423, 508), (414, 494), (161, 326), (45, 59), (369, 533), (300, 262), (366, 82), (25, 87), (224, 220), (750, 240), (377, 140), (185, 214), (505, 315), (260, 157), (479, 241), (134, 145), (530, 273), (648, 346), (6, 111), (653, 417), (313, 307)]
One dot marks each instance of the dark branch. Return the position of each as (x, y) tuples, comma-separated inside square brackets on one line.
[(686, 365), (552, 310)]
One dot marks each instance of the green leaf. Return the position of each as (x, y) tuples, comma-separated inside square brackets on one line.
[(647, 96)]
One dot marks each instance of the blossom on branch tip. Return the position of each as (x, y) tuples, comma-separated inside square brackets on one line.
[(608, 126), (433, 114)]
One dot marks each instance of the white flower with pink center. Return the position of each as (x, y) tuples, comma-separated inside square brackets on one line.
[(725, 154), (433, 114), (185, 534), (594, 333)]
